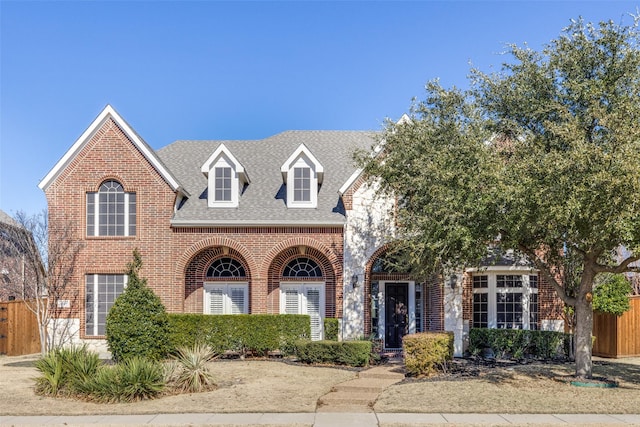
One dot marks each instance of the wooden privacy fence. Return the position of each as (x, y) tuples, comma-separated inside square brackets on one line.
[(618, 336), (18, 329)]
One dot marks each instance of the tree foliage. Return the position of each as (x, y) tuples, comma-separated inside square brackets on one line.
[(138, 324), (537, 157), (612, 295)]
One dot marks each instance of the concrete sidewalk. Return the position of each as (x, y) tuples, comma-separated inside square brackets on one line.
[(321, 419)]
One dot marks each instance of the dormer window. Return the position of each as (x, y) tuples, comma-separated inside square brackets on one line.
[(222, 187), (302, 174), (226, 178), (302, 184)]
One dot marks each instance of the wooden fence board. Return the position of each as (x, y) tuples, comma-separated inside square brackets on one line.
[(18, 329), (618, 336)]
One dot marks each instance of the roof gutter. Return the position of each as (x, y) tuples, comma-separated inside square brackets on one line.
[(182, 223)]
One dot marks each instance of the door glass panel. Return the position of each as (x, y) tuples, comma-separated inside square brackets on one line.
[(292, 305), (216, 301), (237, 300), (313, 310), (396, 314)]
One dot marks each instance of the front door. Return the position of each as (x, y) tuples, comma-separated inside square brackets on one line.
[(396, 303)]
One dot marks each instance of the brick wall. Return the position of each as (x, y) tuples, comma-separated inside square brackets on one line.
[(109, 154), (175, 260)]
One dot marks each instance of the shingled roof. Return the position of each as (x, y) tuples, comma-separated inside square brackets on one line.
[(263, 200)]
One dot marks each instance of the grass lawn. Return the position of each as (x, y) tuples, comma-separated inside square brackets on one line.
[(532, 388), (273, 386)]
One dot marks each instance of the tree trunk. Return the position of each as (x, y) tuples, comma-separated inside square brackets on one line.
[(583, 341), (584, 318)]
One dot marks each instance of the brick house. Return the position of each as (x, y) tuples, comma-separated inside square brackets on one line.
[(285, 224)]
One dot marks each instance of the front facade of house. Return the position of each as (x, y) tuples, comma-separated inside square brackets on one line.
[(280, 225)]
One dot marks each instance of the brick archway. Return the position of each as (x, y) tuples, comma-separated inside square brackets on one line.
[(329, 263), (196, 274), (191, 268)]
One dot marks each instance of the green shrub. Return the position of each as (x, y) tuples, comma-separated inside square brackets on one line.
[(331, 329), (63, 370), (350, 353), (245, 333), (427, 352), (189, 372), (133, 379), (518, 343), (137, 324), (612, 295)]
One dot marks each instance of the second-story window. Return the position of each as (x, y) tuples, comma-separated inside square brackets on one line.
[(111, 211), (302, 175), (223, 184), (302, 184)]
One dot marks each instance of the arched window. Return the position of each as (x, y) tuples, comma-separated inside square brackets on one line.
[(225, 268), (388, 264), (302, 267), (226, 296), (111, 211)]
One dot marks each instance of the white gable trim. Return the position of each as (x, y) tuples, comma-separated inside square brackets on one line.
[(223, 150), (350, 181), (222, 158), (77, 146), (301, 150)]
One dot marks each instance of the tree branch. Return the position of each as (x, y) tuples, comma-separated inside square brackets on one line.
[(542, 266), (623, 267)]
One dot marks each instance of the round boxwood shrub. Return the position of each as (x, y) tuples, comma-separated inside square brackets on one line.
[(138, 324)]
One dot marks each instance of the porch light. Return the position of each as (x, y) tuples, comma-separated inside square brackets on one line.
[(354, 281), (453, 280)]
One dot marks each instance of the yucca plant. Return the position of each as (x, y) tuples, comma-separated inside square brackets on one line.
[(134, 379), (189, 371), (63, 369), (140, 379), (52, 377)]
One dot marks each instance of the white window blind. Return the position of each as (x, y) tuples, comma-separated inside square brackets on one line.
[(226, 298)]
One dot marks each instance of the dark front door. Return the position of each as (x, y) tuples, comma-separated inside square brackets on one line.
[(396, 311)]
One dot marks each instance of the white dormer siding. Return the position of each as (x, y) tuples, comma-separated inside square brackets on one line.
[(225, 178), (302, 174)]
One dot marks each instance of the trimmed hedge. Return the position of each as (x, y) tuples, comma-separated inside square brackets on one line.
[(519, 343), (242, 333), (351, 353), (427, 352), (331, 328)]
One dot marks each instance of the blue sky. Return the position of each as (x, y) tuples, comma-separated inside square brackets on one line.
[(239, 70)]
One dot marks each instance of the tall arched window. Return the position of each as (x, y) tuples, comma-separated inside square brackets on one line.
[(305, 294), (225, 292), (111, 211)]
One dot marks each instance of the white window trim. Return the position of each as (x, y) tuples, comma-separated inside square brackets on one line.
[(492, 290), (381, 306), (96, 295), (222, 157), (301, 288), (302, 158), (96, 215), (226, 291), (235, 185)]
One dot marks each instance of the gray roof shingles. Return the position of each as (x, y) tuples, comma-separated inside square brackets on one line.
[(263, 201)]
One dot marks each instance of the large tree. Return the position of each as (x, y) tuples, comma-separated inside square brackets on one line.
[(539, 157)]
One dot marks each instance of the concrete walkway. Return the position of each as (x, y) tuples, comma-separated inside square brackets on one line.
[(361, 393), (326, 419)]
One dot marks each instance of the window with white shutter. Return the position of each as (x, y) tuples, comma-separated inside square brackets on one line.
[(225, 298), (304, 298)]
